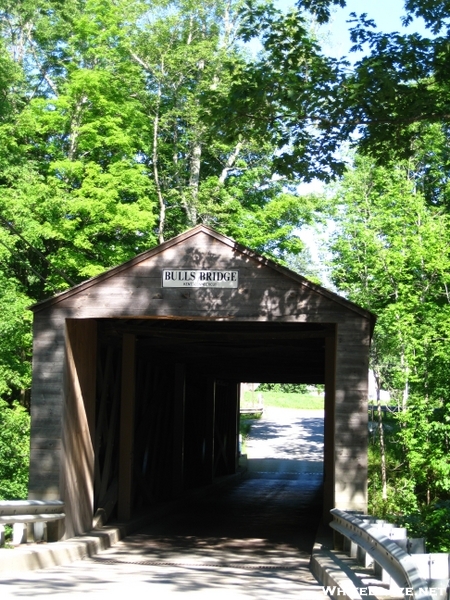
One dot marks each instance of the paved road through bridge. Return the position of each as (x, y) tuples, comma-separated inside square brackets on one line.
[(247, 541)]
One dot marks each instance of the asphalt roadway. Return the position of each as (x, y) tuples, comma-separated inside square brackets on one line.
[(248, 541)]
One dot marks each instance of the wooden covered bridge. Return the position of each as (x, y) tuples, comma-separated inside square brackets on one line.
[(136, 373)]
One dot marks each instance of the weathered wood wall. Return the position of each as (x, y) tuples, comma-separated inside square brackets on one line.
[(351, 415), (47, 394), (63, 415)]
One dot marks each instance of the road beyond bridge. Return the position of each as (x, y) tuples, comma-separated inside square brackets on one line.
[(247, 541)]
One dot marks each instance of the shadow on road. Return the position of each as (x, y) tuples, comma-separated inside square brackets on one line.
[(248, 541)]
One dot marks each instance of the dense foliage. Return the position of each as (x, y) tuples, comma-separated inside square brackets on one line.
[(118, 129), (391, 255), (300, 388), (14, 451)]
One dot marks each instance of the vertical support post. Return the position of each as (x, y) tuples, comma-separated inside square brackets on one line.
[(233, 427), (238, 422), (210, 417), (351, 415), (179, 429), (19, 534), (40, 531), (78, 455), (329, 425), (126, 441)]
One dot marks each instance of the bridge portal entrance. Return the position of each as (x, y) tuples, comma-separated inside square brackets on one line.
[(136, 375)]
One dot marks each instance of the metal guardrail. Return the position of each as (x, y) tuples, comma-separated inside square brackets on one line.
[(36, 513), (255, 410), (405, 569)]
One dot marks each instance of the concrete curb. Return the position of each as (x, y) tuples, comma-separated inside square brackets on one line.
[(41, 556), (327, 570), (30, 557), (335, 569)]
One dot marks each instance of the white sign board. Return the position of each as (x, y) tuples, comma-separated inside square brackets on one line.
[(198, 278)]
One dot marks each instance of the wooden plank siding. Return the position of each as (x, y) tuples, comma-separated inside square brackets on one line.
[(329, 425), (47, 406), (274, 325), (351, 401)]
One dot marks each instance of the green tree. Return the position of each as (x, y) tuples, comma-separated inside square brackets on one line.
[(117, 130), (73, 198), (401, 85), (15, 342), (391, 255), (310, 103), (290, 93), (119, 138), (398, 89), (14, 451)]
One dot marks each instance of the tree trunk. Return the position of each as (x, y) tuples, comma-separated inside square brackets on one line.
[(230, 163), (191, 200), (75, 128), (194, 182), (162, 205), (382, 444)]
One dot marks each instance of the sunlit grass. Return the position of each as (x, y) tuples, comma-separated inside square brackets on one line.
[(283, 400)]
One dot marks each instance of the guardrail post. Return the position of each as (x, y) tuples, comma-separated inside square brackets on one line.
[(55, 530), (19, 534), (381, 573), (349, 547), (363, 558), (338, 540), (416, 545), (435, 569), (439, 569), (40, 531)]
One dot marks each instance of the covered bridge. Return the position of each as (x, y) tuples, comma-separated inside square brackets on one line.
[(136, 372)]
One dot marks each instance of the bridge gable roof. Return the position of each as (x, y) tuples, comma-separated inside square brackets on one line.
[(262, 283)]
